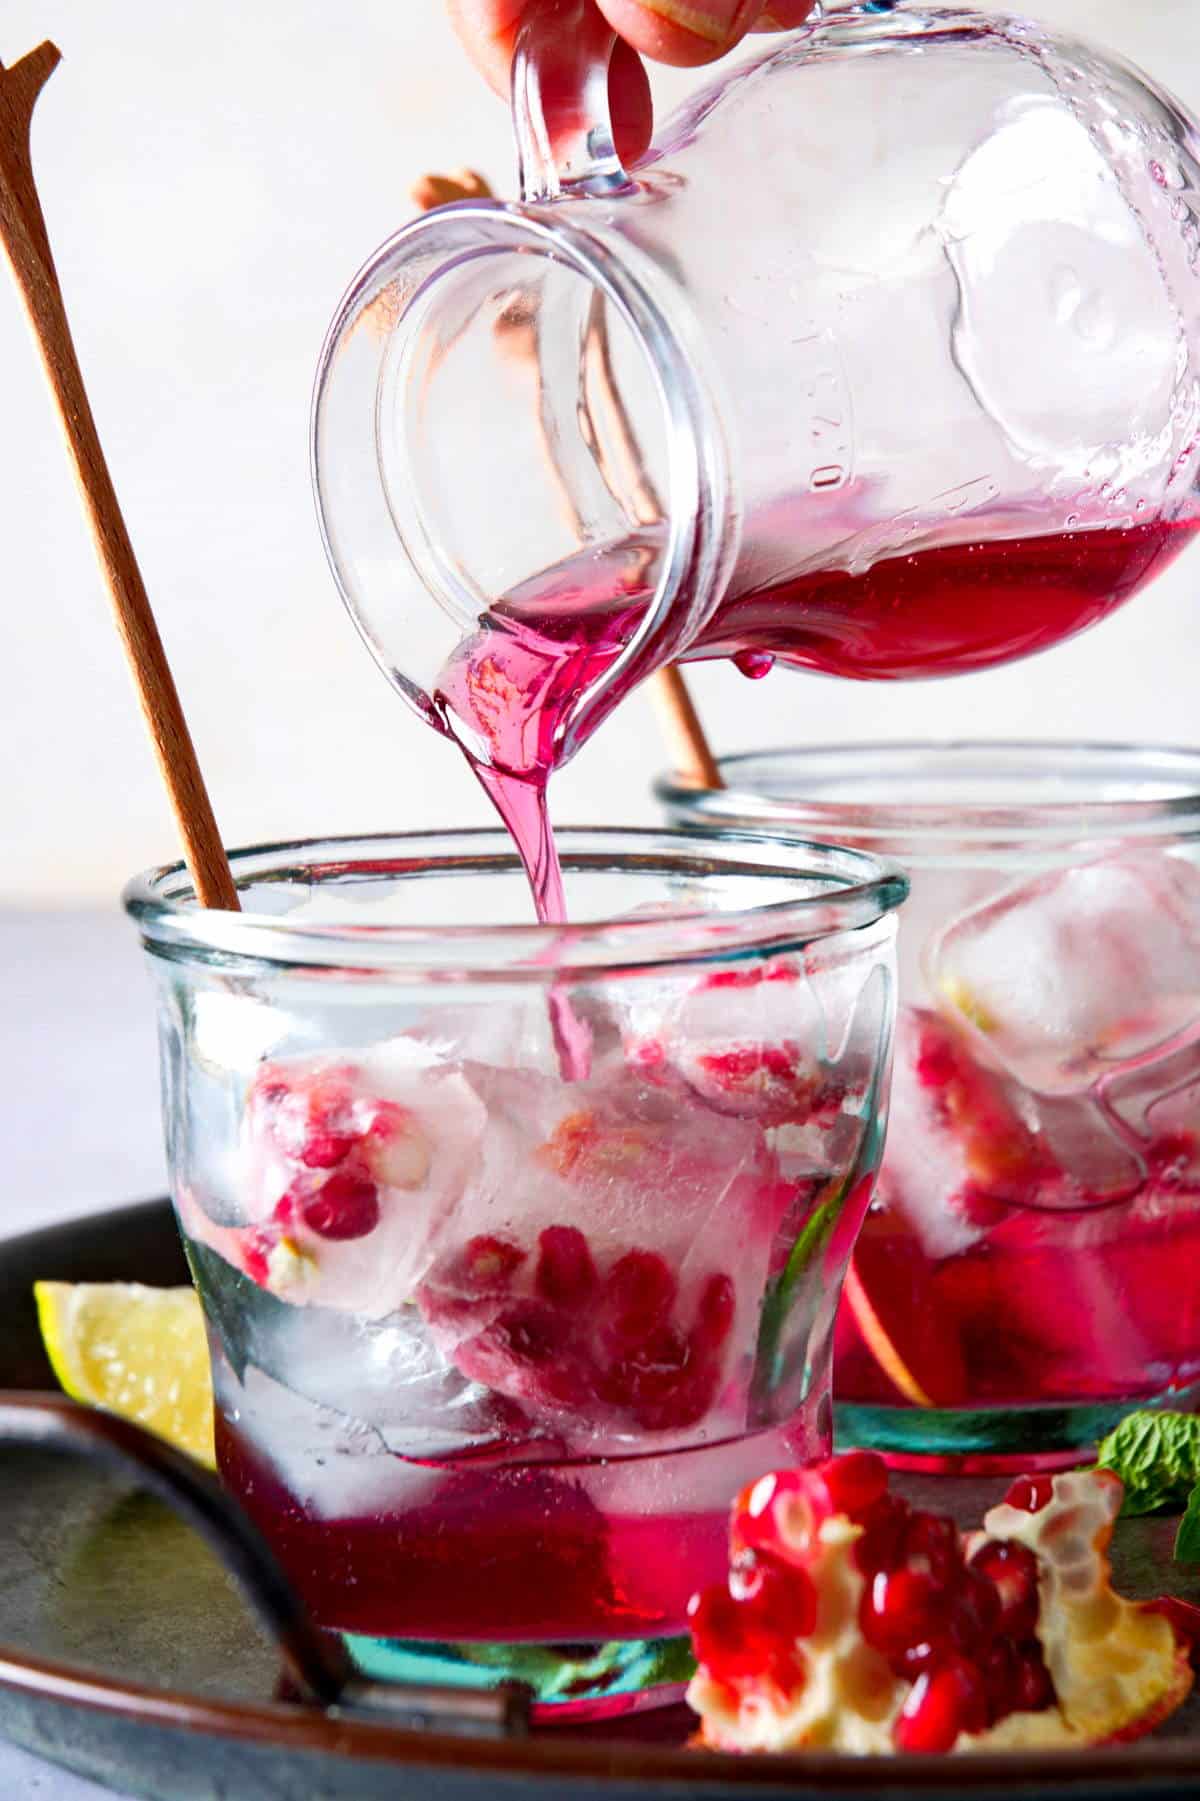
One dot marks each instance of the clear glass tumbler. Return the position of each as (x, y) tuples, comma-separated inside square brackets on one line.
[(520, 1247), (1030, 1267)]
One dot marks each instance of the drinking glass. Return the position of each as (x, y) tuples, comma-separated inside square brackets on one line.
[(1030, 1267), (520, 1247)]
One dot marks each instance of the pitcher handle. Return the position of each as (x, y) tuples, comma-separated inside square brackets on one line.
[(560, 105)]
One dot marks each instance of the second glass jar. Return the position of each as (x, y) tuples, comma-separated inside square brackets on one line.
[(1030, 1269)]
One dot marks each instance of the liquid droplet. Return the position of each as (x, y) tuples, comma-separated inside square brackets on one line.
[(754, 664)]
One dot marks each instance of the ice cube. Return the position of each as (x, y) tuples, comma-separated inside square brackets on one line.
[(1079, 974), (958, 1153), (751, 1040), (348, 1168), (610, 1253)]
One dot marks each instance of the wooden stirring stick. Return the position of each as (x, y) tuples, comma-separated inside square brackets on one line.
[(27, 244), (678, 719)]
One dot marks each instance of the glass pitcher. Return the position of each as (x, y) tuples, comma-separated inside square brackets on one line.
[(884, 361)]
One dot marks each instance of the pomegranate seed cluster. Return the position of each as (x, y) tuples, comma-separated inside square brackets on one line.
[(958, 1632), (553, 1327), (852, 1621)]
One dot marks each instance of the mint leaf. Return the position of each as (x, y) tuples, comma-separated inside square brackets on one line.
[(1187, 1539), (1157, 1456)]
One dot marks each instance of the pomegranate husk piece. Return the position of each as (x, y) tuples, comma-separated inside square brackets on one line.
[(1167, 1704)]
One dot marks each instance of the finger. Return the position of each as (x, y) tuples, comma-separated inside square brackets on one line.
[(684, 32), (783, 15), (488, 32)]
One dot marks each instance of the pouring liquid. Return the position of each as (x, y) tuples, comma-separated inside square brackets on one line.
[(505, 695)]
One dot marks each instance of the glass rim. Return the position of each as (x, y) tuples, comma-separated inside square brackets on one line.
[(863, 889), (928, 825)]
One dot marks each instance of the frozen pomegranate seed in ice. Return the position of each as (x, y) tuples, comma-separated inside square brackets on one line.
[(566, 1271), (1012, 1571), (651, 1382), (399, 1152), (528, 1353), (639, 1294), (714, 1313), (484, 1266), (345, 1207), (325, 1150), (1030, 1493), (256, 1253)]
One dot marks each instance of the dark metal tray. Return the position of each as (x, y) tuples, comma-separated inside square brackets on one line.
[(128, 1654)]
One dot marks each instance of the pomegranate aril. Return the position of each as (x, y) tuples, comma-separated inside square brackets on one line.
[(325, 1150), (885, 1530), (527, 1350), (718, 1636), (1033, 1689), (714, 1314), (484, 1267), (346, 1207), (566, 1272), (1030, 1493), (638, 1297), (944, 1701), (855, 1482), (256, 1252), (1012, 1571), (780, 1600), (931, 1541), (778, 1513), (999, 1670), (975, 1613), (532, 1331), (653, 1383), (900, 1608)]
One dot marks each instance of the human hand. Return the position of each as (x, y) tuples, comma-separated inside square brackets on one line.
[(684, 32)]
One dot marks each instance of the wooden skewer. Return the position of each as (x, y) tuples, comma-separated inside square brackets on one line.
[(27, 245), (679, 723), (674, 707)]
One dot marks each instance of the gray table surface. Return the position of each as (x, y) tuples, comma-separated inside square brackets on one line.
[(78, 1119)]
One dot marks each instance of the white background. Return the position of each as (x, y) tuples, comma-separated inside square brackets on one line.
[(212, 176)]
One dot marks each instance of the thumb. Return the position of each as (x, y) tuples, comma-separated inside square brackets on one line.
[(684, 32)]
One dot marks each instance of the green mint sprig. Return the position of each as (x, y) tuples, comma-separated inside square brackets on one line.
[(1157, 1456)]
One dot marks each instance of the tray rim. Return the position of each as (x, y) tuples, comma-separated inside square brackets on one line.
[(553, 1751)]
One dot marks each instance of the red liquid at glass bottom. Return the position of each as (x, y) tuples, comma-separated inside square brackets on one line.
[(1042, 1311), (1052, 1295), (512, 1553)]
